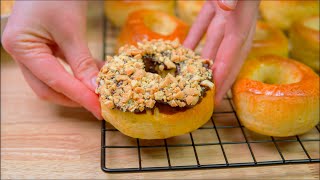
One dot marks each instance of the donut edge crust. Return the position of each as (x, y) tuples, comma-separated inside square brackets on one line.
[(305, 44), (160, 125), (274, 116)]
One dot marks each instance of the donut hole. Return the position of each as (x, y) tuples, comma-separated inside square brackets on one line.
[(277, 74), (312, 23), (164, 25), (153, 66)]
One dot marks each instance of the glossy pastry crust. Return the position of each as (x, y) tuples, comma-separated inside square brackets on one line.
[(305, 40), (117, 11), (276, 96), (151, 24), (189, 10), (268, 40), (282, 13)]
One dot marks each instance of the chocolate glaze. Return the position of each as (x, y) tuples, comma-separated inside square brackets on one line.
[(149, 63), (167, 109)]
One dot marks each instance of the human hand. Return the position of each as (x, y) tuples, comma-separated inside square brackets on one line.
[(229, 26), (37, 33)]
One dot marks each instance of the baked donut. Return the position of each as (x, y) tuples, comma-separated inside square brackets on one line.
[(282, 13), (305, 39), (117, 11), (156, 90), (189, 10), (276, 96), (6, 7), (151, 24), (268, 40)]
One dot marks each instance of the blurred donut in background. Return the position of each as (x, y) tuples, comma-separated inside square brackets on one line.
[(151, 24), (189, 10), (118, 11), (282, 13), (305, 39), (268, 40), (6, 8)]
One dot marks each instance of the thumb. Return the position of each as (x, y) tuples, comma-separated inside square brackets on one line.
[(227, 5)]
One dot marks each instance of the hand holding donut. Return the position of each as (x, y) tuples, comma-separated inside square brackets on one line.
[(230, 26), (36, 34)]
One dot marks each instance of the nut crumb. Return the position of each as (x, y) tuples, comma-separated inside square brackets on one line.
[(123, 82)]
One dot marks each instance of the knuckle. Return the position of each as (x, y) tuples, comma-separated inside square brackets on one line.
[(82, 65), (8, 41)]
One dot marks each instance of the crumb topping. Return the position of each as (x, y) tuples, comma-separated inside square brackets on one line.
[(154, 71)]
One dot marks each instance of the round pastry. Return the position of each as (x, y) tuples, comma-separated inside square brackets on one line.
[(189, 10), (276, 96), (156, 90), (268, 40), (6, 7), (151, 24), (305, 39), (282, 13), (118, 11)]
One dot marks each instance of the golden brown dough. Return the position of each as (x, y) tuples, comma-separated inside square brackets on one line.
[(117, 11), (305, 39), (155, 90), (282, 13), (151, 24), (276, 96), (268, 40), (189, 10)]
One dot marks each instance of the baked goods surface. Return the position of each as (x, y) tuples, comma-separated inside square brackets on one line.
[(189, 10), (305, 39), (268, 40), (155, 90), (6, 7), (117, 11), (276, 96), (282, 13), (151, 24)]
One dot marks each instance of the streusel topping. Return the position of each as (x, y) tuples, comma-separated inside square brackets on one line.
[(155, 71)]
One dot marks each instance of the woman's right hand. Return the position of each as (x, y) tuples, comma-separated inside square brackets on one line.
[(37, 33), (229, 26)]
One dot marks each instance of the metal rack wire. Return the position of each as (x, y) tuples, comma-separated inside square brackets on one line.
[(307, 144)]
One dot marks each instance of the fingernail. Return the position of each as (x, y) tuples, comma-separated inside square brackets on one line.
[(94, 82), (230, 3)]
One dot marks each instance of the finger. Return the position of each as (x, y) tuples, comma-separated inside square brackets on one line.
[(45, 92), (234, 47), (100, 64), (81, 62), (74, 46), (200, 25), (226, 72), (215, 34), (227, 5), (47, 69)]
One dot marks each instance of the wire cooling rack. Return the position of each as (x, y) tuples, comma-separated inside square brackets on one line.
[(223, 142)]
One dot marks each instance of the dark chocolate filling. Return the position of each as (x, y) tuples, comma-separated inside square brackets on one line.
[(149, 63), (167, 109)]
